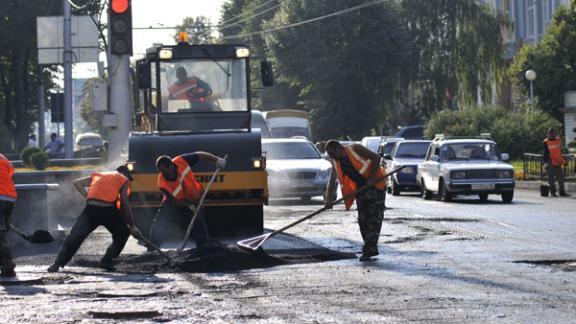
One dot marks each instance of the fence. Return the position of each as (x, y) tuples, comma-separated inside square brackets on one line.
[(534, 168)]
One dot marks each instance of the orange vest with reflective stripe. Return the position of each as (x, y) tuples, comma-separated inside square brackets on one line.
[(180, 90), (555, 150), (363, 166), (185, 187), (6, 183), (106, 186)]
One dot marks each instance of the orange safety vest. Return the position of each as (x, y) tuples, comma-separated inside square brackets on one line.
[(180, 90), (106, 186), (555, 150), (185, 187), (6, 183), (363, 167)]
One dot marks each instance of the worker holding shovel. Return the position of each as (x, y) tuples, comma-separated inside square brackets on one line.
[(107, 205), (7, 199), (182, 194), (356, 167)]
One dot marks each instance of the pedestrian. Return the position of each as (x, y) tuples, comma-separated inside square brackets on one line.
[(181, 193), (107, 204), (55, 147), (553, 162), (32, 141), (7, 200), (356, 167)]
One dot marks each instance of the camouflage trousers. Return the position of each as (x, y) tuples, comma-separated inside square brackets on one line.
[(370, 203), (6, 263)]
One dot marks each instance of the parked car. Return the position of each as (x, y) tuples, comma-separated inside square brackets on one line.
[(411, 132), (387, 144), (90, 145), (257, 121), (295, 168), (372, 142), (407, 153), (465, 167)]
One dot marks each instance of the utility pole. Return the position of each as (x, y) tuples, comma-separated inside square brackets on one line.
[(68, 126), (41, 109)]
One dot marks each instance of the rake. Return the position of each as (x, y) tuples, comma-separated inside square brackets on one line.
[(254, 243)]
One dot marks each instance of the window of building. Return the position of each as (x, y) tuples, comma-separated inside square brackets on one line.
[(530, 21)]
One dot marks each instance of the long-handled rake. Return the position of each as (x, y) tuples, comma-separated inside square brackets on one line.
[(252, 244)]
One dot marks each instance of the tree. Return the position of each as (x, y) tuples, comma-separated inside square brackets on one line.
[(554, 60), (199, 30), (346, 66), (458, 51)]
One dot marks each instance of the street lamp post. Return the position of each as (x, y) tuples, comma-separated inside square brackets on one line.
[(531, 76)]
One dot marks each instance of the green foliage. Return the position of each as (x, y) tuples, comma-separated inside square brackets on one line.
[(40, 160), (515, 132), (27, 154), (554, 61)]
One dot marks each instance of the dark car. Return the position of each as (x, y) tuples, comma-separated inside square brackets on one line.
[(411, 132), (406, 153)]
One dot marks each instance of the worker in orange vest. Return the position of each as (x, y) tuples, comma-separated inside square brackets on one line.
[(182, 193), (356, 167), (7, 199), (107, 205), (192, 88), (554, 161)]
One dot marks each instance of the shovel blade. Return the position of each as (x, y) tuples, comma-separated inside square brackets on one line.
[(40, 236), (252, 244)]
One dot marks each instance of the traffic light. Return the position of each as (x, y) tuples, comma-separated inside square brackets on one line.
[(120, 26)]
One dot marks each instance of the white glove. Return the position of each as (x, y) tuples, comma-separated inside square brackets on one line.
[(192, 209), (221, 163)]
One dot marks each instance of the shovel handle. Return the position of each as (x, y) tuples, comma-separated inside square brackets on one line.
[(18, 231)]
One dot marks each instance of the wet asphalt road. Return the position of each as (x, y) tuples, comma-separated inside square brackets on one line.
[(463, 261)]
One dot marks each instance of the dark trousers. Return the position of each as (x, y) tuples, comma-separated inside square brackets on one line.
[(90, 218), (6, 263), (370, 203), (171, 222), (555, 173)]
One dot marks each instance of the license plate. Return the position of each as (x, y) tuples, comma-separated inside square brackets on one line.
[(483, 186)]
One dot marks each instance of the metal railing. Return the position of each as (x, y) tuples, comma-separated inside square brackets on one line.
[(533, 167)]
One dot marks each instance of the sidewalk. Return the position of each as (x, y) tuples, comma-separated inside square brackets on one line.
[(535, 185)]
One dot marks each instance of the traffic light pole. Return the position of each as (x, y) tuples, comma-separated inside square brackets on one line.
[(120, 108), (68, 125)]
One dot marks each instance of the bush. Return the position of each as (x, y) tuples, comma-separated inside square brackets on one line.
[(515, 132), (27, 154), (40, 160)]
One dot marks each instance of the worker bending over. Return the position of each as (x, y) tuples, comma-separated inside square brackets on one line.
[(107, 205), (357, 166), (181, 196), (7, 199)]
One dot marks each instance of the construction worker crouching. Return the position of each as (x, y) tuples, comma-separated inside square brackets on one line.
[(107, 205), (356, 167), (7, 199), (181, 193)]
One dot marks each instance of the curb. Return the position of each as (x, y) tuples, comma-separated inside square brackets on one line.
[(535, 185)]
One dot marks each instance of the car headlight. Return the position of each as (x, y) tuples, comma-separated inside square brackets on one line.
[(505, 174), (458, 175), (323, 174)]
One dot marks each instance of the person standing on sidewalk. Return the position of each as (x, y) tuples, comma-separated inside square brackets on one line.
[(356, 166), (107, 205), (7, 199), (553, 162)]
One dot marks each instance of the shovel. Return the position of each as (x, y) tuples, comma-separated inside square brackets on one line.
[(152, 245), (189, 229), (39, 236), (252, 244)]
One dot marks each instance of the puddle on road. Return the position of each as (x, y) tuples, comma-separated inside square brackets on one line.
[(400, 220), (559, 264)]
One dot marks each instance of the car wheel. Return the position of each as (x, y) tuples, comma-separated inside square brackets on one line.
[(395, 188), (444, 194), (483, 197), (426, 194), (507, 196)]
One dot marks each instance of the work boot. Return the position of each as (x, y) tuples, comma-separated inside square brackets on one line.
[(563, 194), (8, 273), (107, 265), (367, 256), (54, 268), (553, 194)]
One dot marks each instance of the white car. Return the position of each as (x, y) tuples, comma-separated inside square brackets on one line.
[(295, 168), (465, 167), (372, 142)]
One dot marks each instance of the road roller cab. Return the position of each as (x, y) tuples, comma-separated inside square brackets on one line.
[(197, 98)]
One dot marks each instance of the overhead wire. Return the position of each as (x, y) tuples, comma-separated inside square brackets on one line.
[(340, 12), (244, 14), (250, 17), (77, 7)]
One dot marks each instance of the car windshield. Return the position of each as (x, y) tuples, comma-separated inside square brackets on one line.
[(411, 150), (387, 147), (90, 141), (203, 85), (372, 144), (469, 151), (285, 132), (290, 150)]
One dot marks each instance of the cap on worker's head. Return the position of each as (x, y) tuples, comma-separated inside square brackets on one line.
[(333, 145), (551, 129), (125, 172), (163, 160)]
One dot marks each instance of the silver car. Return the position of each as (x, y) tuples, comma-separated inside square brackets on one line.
[(465, 167), (295, 168)]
